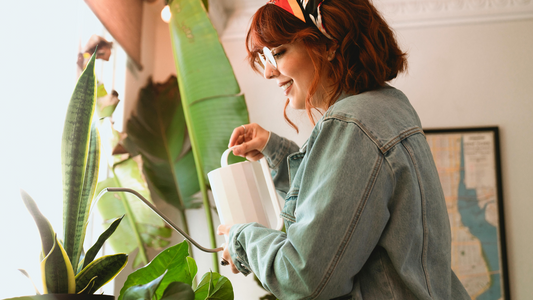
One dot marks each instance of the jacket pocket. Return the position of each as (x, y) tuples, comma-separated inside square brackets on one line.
[(287, 213)]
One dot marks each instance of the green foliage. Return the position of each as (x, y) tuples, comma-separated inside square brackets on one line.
[(80, 153), (170, 276), (156, 129), (141, 228), (211, 98)]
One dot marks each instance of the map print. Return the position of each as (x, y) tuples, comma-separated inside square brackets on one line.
[(465, 162)]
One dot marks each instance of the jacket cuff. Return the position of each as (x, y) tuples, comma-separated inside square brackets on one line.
[(276, 150), (237, 251)]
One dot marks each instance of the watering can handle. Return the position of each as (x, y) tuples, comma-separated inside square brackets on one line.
[(269, 183), (272, 192), (160, 214)]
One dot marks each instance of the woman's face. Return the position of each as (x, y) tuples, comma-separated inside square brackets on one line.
[(294, 73)]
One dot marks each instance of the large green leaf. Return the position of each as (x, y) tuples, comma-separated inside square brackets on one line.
[(212, 101), (141, 227), (74, 156), (214, 286), (143, 291), (157, 128), (172, 260), (178, 291)]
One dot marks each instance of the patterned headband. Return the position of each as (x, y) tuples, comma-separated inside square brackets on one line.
[(305, 10)]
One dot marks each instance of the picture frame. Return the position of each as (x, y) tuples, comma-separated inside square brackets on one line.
[(469, 166)]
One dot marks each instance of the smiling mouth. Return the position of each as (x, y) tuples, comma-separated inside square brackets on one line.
[(287, 85)]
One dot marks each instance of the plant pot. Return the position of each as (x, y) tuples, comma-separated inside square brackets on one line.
[(64, 297)]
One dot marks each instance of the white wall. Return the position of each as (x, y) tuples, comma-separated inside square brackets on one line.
[(481, 75)]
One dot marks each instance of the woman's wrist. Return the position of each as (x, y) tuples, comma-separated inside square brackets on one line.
[(268, 139)]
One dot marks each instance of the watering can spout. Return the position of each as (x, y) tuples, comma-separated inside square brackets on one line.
[(160, 214)]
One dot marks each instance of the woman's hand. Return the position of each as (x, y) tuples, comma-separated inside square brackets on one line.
[(249, 140), (224, 229)]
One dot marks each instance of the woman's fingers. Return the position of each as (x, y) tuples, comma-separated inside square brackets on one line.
[(248, 138), (254, 155), (237, 136), (223, 229)]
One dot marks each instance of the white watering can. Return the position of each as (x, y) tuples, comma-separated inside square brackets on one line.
[(241, 192), (244, 193)]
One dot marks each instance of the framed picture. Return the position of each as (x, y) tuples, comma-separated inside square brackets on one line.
[(468, 162)]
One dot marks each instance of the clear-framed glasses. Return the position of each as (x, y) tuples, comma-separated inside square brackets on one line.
[(268, 56)]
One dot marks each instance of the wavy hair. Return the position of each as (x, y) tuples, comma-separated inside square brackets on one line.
[(367, 54)]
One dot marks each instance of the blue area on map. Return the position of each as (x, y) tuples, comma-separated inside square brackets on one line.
[(473, 217)]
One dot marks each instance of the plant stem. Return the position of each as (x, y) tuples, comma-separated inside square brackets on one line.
[(201, 178), (209, 217)]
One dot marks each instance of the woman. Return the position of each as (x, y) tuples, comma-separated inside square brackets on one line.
[(365, 216)]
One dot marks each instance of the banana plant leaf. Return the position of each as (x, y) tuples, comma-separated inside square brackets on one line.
[(158, 131), (79, 159), (141, 227), (212, 101), (172, 260)]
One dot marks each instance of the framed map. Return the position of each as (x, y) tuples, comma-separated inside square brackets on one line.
[(468, 162)]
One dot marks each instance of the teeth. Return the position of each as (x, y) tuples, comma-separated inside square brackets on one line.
[(286, 85)]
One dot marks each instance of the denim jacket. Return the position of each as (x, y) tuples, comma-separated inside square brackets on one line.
[(364, 212)]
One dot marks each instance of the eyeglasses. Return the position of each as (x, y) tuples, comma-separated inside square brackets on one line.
[(268, 56)]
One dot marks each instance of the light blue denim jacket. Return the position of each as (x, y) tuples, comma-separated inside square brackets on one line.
[(364, 210)]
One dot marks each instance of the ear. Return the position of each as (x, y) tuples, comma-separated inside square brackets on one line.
[(331, 51)]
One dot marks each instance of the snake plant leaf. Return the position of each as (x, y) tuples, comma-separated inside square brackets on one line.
[(89, 286), (104, 269), (173, 260), (157, 128), (45, 228), (89, 187), (141, 228), (91, 254), (57, 272), (214, 286), (31, 280), (74, 154), (143, 291), (178, 290)]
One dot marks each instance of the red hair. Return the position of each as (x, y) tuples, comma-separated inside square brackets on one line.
[(367, 54)]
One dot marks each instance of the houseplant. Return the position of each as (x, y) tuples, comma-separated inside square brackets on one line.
[(65, 268), (170, 275)]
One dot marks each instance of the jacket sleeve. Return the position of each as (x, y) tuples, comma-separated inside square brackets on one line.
[(340, 213), (276, 151)]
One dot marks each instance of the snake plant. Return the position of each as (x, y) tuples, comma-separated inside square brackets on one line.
[(64, 266)]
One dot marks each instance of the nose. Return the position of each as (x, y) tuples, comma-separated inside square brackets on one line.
[(269, 72)]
